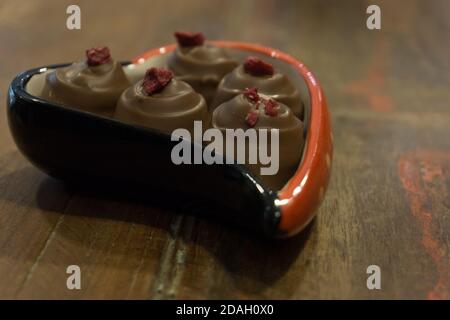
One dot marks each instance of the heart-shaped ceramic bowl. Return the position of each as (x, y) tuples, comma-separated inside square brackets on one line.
[(92, 150)]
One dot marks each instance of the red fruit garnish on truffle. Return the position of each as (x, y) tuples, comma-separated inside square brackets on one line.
[(256, 67), (189, 39), (271, 107), (156, 79), (251, 118), (251, 94), (97, 56)]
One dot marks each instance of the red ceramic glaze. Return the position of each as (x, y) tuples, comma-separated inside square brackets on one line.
[(302, 195)]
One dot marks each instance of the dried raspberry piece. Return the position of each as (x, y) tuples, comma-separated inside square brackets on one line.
[(97, 56), (252, 94), (156, 79), (189, 39), (251, 118), (271, 107), (256, 67)]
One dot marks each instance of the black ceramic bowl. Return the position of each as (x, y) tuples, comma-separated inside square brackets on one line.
[(100, 153), (83, 148)]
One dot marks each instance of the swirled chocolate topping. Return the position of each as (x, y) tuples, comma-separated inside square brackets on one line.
[(162, 102), (93, 85), (252, 110), (257, 73), (199, 64)]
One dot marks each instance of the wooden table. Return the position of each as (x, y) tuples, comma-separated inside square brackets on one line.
[(388, 203)]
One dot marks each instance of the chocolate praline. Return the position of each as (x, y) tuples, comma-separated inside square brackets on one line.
[(201, 65), (273, 84), (93, 85), (238, 113), (173, 105)]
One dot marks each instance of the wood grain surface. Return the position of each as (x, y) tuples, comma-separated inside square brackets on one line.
[(388, 203)]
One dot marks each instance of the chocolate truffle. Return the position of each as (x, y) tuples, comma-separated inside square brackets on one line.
[(162, 102), (254, 72), (252, 110), (199, 64), (93, 85)]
